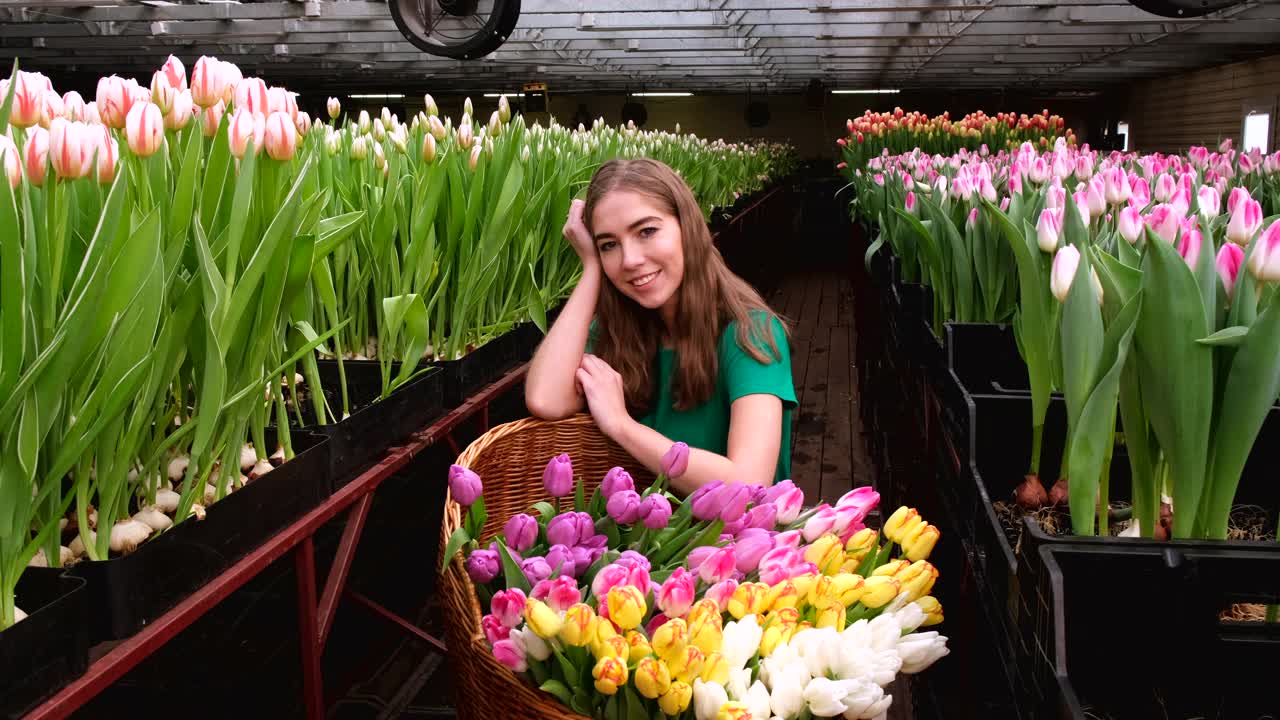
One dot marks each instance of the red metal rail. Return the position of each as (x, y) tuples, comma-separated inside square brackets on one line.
[(315, 615)]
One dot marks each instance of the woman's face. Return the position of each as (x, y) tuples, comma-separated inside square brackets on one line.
[(641, 247)]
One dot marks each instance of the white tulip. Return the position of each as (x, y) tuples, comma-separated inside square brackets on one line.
[(758, 700), (741, 641), (707, 699), (787, 699), (920, 650), (824, 696), (536, 647), (864, 700), (739, 683)]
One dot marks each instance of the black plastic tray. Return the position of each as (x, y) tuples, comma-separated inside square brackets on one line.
[(48, 649), (126, 593)]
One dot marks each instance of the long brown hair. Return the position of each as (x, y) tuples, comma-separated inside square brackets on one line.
[(709, 297)]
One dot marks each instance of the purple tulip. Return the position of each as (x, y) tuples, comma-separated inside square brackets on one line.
[(624, 507), (521, 532), (632, 559), (586, 527), (493, 548), (704, 501), (482, 566), (616, 480), (560, 558), (699, 555), (563, 529), (464, 485), (535, 569), (656, 511), (752, 544), (731, 529), (762, 516), (557, 479), (773, 492), (733, 501), (676, 461), (719, 565)]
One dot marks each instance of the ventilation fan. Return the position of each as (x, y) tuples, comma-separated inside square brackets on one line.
[(1182, 8), (461, 29)]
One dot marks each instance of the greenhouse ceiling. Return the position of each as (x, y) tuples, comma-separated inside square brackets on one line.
[(691, 45)]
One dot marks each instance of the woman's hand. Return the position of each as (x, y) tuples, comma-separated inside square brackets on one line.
[(575, 231), (602, 387)]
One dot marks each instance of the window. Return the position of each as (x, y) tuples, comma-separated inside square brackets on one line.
[(1123, 129), (1257, 129)]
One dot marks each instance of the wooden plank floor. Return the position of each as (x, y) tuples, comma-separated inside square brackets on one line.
[(829, 456)]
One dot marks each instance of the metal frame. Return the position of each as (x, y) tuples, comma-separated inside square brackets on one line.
[(333, 46), (316, 613)]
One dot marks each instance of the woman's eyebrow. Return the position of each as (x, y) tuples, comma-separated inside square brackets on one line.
[(632, 226)]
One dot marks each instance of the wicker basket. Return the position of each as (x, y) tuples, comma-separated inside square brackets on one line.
[(510, 459)]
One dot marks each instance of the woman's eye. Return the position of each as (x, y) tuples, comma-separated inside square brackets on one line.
[(648, 232), (607, 245)]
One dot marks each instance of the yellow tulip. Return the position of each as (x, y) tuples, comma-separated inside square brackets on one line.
[(676, 699), (863, 540), (847, 588), (626, 606), (827, 552), (923, 546), (707, 635), (734, 711), (688, 665), (783, 595), (788, 616), (821, 593), (603, 631), (704, 608), (805, 625), (774, 635), (879, 590), (640, 648), (715, 669), (910, 536), (891, 568), (832, 616), (544, 621), (670, 639), (803, 584), (616, 646), (749, 599), (610, 673), (579, 625), (932, 610), (920, 583), (652, 678), (893, 527)]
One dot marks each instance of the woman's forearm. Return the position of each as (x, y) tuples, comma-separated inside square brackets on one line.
[(550, 389), (648, 446)]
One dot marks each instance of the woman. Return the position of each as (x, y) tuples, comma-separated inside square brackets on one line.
[(681, 349)]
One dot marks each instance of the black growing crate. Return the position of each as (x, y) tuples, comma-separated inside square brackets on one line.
[(48, 649), (126, 593)]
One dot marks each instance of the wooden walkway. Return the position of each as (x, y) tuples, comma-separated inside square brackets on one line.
[(829, 457)]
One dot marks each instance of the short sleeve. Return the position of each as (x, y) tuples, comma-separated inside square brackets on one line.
[(744, 375)]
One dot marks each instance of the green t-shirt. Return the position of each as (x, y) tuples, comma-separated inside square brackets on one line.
[(706, 426)]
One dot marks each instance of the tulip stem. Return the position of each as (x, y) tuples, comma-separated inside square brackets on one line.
[(1037, 437), (1104, 491)]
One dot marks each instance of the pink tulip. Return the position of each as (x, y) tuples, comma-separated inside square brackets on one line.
[(1238, 195), (878, 178), (1004, 204), (51, 108), (675, 461), (162, 93), (1189, 247), (1081, 200), (10, 161), (1062, 167), (1084, 167), (281, 137), (144, 129), (211, 118), (91, 114), (722, 592), (656, 511), (70, 148), (1015, 181), (911, 205), (1096, 199), (1210, 202), (1056, 198), (609, 577), (73, 106), (175, 73), (557, 477), (245, 126), (719, 566), (1115, 185), (1245, 221), (231, 77), (788, 539), (1228, 263), (1130, 224), (1163, 220), (778, 564), (1181, 202), (1140, 192), (789, 504), (115, 99), (1199, 156), (179, 116), (1065, 263), (677, 593), (303, 123), (750, 548), (1264, 263), (508, 606), (987, 190), (863, 499), (35, 156), (1164, 188), (207, 82), (820, 523), (511, 653), (494, 630), (559, 593), (28, 99), (465, 486), (251, 94)]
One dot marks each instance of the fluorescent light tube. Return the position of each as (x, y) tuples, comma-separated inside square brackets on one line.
[(391, 96), (501, 94), (661, 94), (865, 92)]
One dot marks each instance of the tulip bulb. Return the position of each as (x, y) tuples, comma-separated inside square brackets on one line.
[(153, 518), (127, 535), (248, 457), (178, 467), (260, 468), (167, 500)]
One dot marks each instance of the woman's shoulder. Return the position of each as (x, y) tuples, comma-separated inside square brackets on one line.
[(764, 325)]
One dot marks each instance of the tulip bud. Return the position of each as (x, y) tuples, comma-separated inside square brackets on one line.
[(495, 124), (466, 107), (1245, 221), (609, 673), (162, 93), (652, 678), (379, 156), (1230, 258), (10, 161), (207, 82), (879, 590), (251, 94), (626, 606), (144, 129), (363, 123), (1065, 263), (211, 118), (1165, 187), (179, 114), (73, 106), (474, 161), (1096, 200), (1164, 222), (114, 101), (544, 621), (245, 127), (1049, 230), (1264, 263), (35, 155), (504, 109)]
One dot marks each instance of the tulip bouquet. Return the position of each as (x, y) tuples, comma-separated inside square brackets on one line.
[(1103, 312), (739, 602), (893, 133)]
